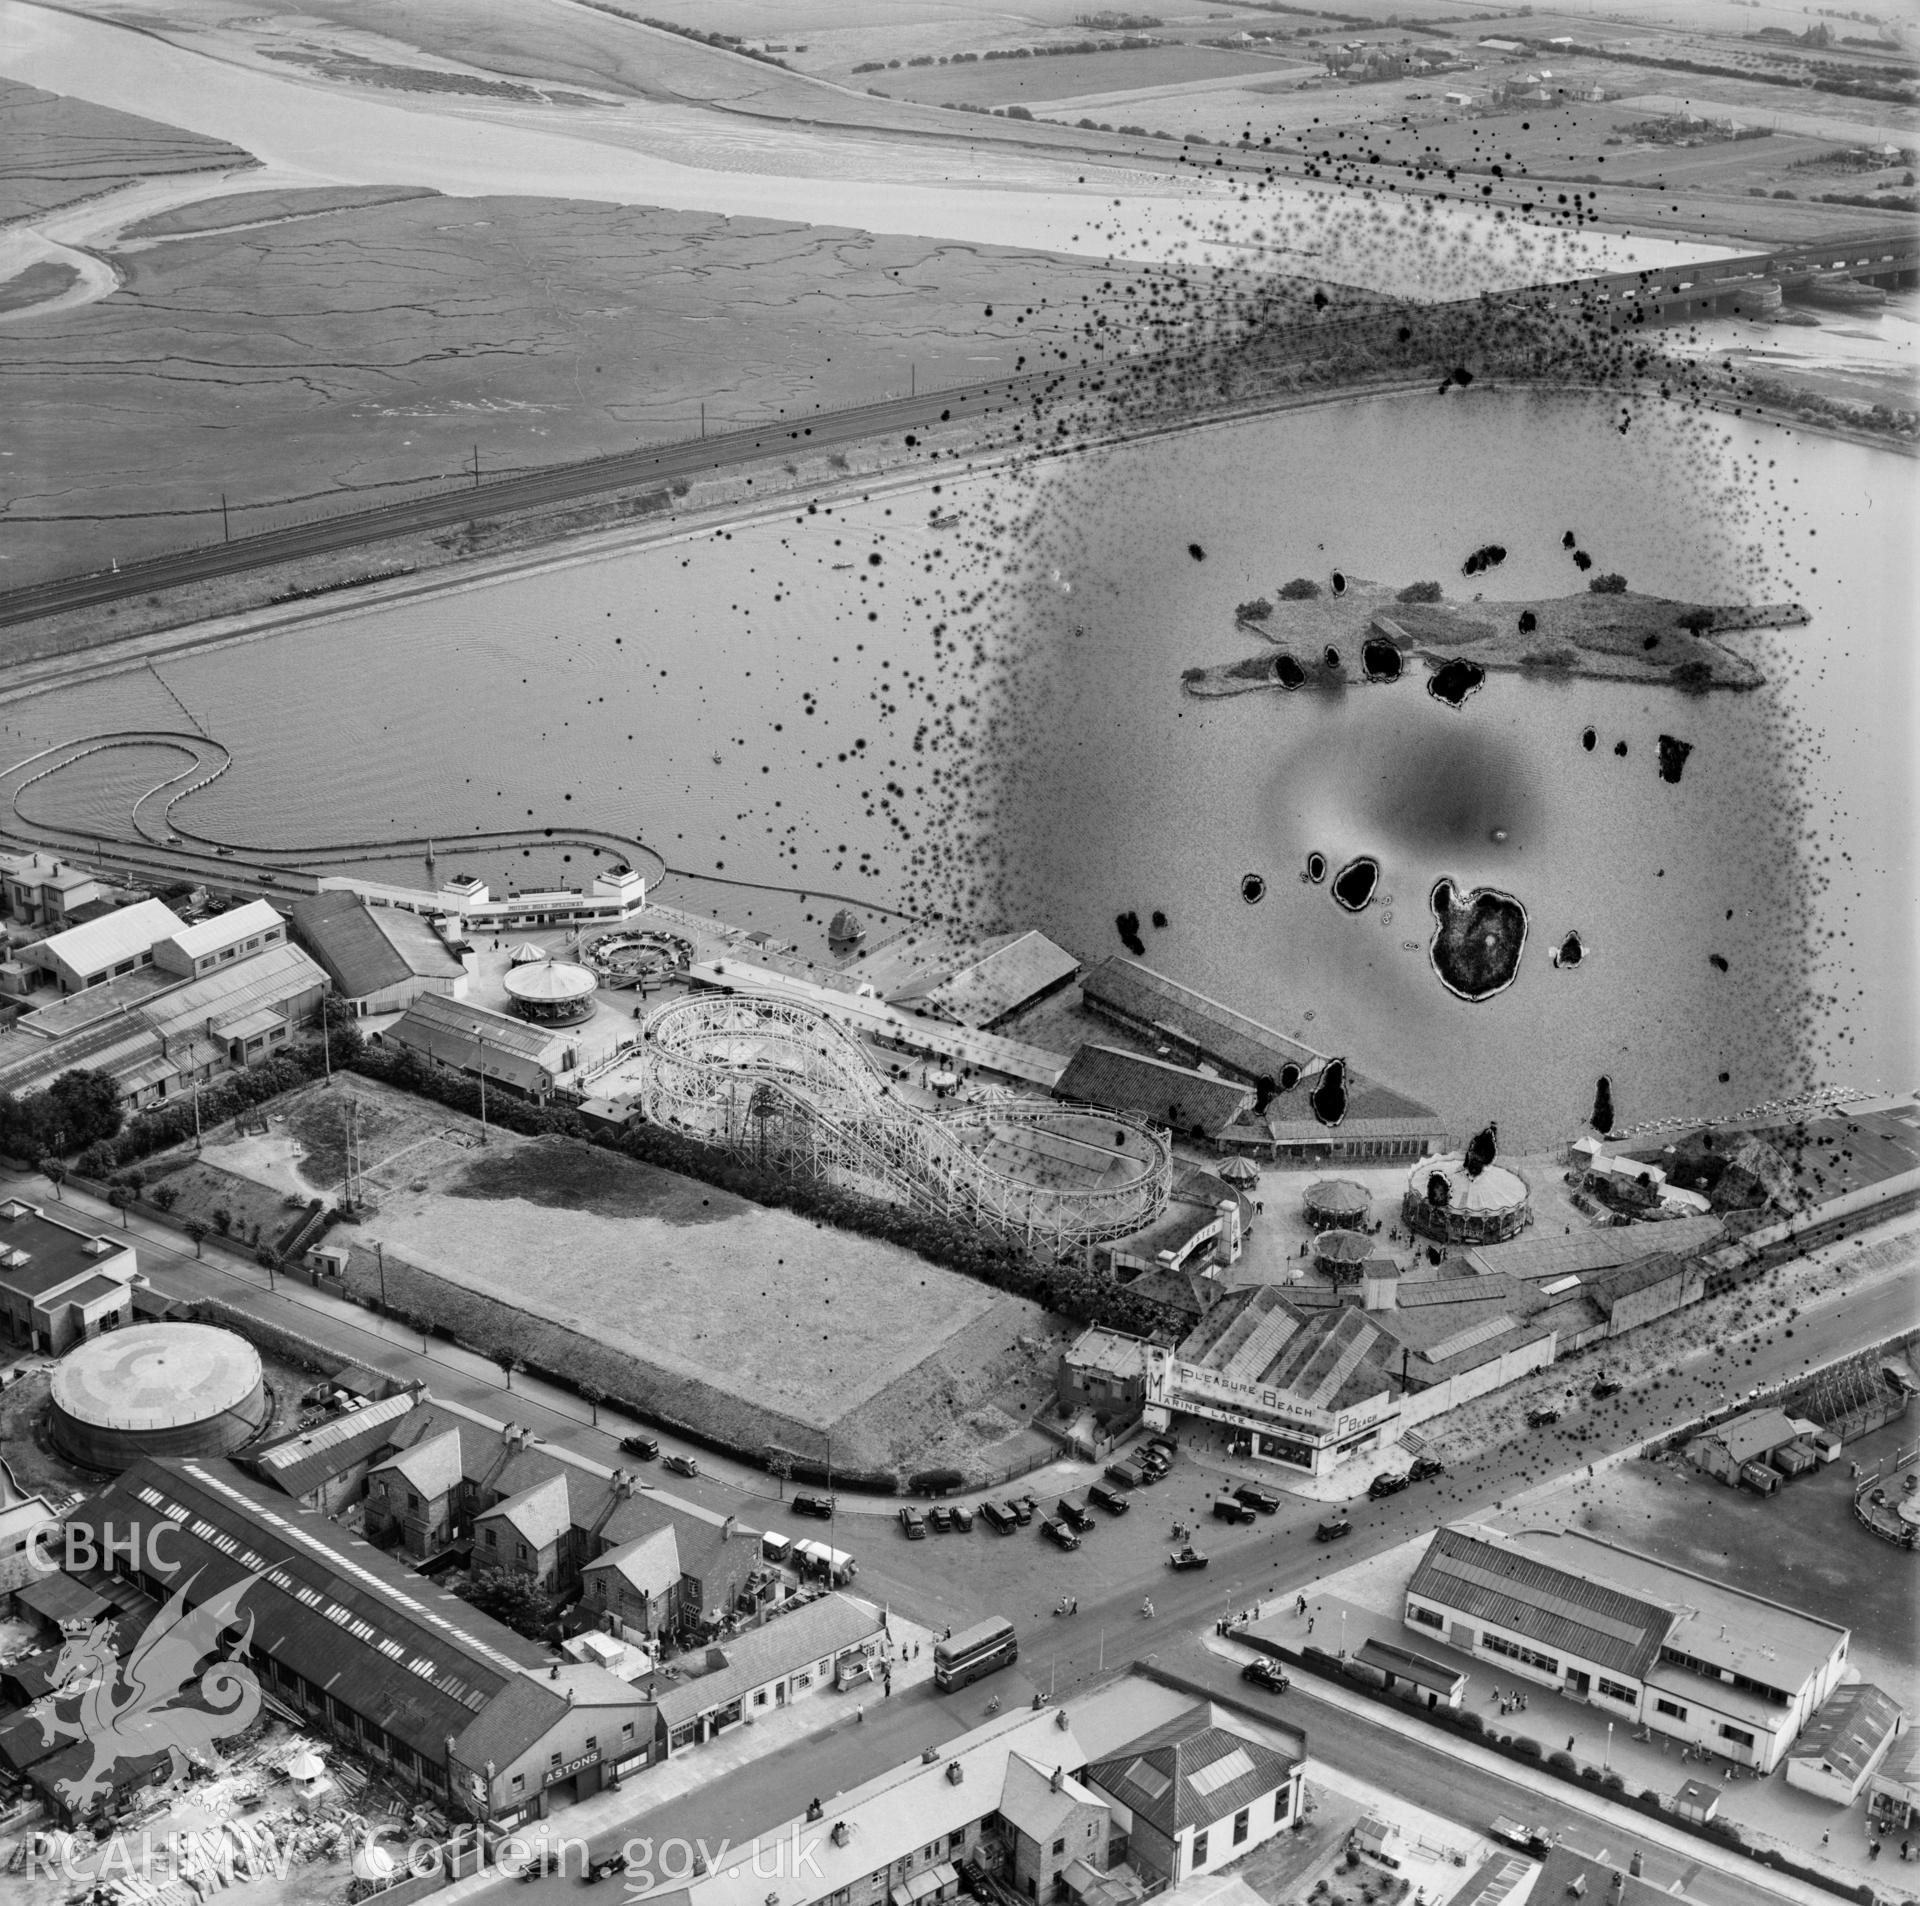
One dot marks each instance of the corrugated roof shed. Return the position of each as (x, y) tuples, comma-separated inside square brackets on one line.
[(403, 1653), (1137, 996), (510, 1049), (996, 985), (1168, 1094), (1496, 1583), (368, 949), (1756, 1433), (300, 1463), (1595, 1248), (1849, 1728), (270, 978)]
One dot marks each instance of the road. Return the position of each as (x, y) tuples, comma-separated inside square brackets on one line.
[(1023, 1577), (779, 1788)]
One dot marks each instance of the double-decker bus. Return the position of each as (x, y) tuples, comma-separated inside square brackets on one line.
[(978, 1651)]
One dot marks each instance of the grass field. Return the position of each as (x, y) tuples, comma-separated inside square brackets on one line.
[(546, 330), (1063, 76), (65, 149), (698, 1288)]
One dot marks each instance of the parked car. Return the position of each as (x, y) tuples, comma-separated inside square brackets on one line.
[(963, 1517), (1022, 1509), (1332, 1529), (941, 1517), (645, 1447), (1425, 1467), (1262, 1499), (1227, 1509), (1059, 1534), (1541, 1415), (1606, 1386), (1266, 1673), (1126, 1475), (1115, 1501), (680, 1466), (913, 1525), (1153, 1456), (1187, 1558), (1073, 1511), (821, 1506), (1389, 1482), (1000, 1519)]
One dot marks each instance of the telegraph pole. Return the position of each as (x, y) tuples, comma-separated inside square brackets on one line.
[(226, 533), (480, 1033)]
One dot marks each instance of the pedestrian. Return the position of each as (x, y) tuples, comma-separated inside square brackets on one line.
[(1569, 1743), (1309, 1624), (1826, 1834)]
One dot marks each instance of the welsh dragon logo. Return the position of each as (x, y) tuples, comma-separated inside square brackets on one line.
[(180, 1689)]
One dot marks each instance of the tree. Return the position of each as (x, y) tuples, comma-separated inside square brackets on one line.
[(86, 1104), (340, 1027), (197, 1232), (593, 1396), (513, 1599), (165, 1197), (1611, 584), (120, 1198), (55, 1174), (222, 1220)]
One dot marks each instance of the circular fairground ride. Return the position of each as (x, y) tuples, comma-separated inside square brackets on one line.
[(637, 956), (786, 1088)]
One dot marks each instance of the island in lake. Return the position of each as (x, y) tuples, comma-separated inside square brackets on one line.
[(1329, 638)]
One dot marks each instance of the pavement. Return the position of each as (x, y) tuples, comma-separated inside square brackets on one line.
[(1839, 1308), (1576, 1812)]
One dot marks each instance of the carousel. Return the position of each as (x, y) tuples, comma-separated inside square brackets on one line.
[(551, 992)]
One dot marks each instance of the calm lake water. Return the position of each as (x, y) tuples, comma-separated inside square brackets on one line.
[(748, 702)]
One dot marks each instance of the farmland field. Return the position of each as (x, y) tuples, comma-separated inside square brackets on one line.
[(1068, 75)]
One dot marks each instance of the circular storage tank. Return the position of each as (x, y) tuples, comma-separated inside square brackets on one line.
[(554, 993), (1340, 1254), (1337, 1204), (1443, 1201), (157, 1390)]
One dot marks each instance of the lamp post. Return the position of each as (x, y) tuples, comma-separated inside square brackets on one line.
[(1607, 1764), (380, 1254), (480, 1033)]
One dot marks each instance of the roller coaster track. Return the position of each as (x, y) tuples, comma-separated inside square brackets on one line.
[(784, 1087)]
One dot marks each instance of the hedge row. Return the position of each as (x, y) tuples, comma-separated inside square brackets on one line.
[(1090, 1297)]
